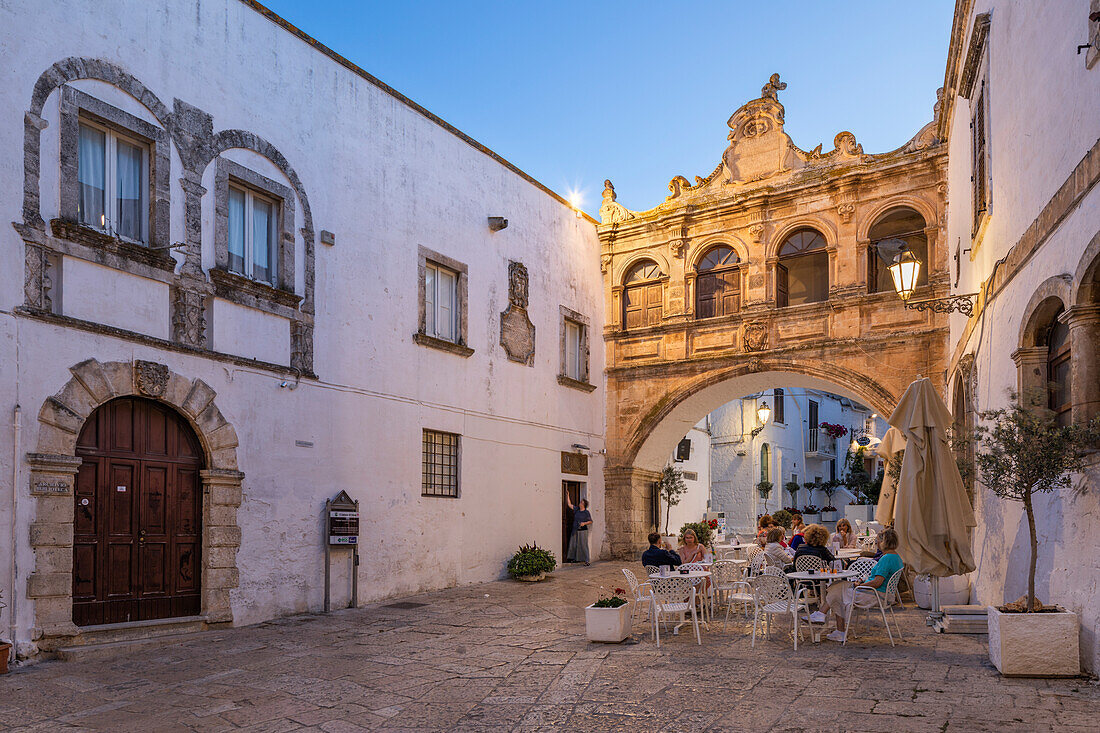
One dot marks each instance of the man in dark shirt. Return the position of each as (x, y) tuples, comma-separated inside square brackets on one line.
[(658, 556)]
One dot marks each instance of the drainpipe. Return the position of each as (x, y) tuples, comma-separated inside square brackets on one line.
[(12, 602)]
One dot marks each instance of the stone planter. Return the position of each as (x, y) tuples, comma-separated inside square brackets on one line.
[(607, 624), (530, 578), (1034, 644), (862, 512), (811, 518), (827, 516)]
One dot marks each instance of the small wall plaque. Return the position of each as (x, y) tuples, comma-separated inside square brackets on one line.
[(51, 487), (575, 463)]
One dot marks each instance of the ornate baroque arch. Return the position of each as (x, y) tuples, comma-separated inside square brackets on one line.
[(917, 204), (730, 241), (625, 266), (870, 391), (814, 222), (54, 464)]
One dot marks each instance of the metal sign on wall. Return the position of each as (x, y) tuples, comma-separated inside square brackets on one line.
[(343, 520), (575, 463)]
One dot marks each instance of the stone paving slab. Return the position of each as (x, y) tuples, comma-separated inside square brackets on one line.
[(512, 656)]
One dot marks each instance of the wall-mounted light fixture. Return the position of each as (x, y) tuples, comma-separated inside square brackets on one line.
[(763, 414), (496, 223), (905, 271)]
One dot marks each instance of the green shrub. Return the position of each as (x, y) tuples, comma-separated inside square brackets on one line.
[(531, 560), (783, 518), (703, 532)]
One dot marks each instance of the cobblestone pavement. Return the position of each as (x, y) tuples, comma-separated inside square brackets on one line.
[(512, 656)]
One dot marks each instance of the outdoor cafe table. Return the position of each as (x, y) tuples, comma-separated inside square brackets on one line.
[(695, 575)]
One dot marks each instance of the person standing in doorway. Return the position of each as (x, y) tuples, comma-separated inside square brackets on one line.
[(578, 541)]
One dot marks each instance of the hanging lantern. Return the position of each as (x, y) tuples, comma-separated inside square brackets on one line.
[(904, 271), (763, 413)]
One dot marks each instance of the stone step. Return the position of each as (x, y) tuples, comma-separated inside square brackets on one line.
[(132, 630), (111, 649)]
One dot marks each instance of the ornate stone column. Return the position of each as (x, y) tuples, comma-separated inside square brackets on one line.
[(221, 538), (51, 538), (190, 290), (1084, 340), (628, 493)]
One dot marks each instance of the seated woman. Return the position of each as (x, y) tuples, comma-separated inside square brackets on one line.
[(691, 550), (774, 552), (816, 537), (843, 538), (841, 595), (762, 526)]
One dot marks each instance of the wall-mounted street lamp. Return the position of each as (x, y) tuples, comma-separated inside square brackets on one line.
[(763, 414), (905, 271)]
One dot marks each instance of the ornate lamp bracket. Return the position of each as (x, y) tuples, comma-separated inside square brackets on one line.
[(949, 304)]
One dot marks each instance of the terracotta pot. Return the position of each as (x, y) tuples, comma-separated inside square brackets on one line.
[(1034, 644), (5, 650), (607, 624)]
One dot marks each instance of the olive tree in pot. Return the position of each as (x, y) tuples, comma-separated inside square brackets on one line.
[(792, 487), (670, 487), (1023, 451), (765, 490)]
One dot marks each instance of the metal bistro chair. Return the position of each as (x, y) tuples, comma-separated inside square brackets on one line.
[(801, 565), (867, 598), (668, 597), (729, 580), (642, 592), (773, 597), (756, 564), (862, 566), (704, 590)]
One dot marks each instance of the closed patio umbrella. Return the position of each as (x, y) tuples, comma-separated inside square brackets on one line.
[(891, 443), (932, 514)]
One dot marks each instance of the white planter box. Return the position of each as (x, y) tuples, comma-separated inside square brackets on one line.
[(607, 624), (862, 512), (1034, 644), (811, 518), (828, 516)]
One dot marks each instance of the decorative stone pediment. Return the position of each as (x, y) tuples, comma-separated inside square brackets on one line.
[(517, 333)]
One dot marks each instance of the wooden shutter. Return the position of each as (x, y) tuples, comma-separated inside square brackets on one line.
[(633, 310), (872, 269), (705, 286), (654, 298), (979, 179), (781, 286), (729, 293)]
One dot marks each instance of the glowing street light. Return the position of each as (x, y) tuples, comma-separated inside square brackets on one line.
[(763, 414), (905, 271)]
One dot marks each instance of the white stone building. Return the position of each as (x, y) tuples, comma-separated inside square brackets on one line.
[(692, 458), (790, 446), (1024, 224), (242, 276)]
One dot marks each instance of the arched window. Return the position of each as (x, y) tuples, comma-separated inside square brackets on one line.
[(1058, 371), (802, 275), (902, 224), (642, 295), (718, 283), (765, 463)]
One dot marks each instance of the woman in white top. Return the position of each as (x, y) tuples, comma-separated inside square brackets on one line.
[(843, 538), (774, 552)]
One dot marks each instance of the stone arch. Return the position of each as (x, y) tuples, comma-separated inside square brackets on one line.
[(733, 242), (1053, 294), (244, 140), (625, 266), (66, 70), (1086, 278), (54, 465), (917, 204), (648, 447), (814, 222)]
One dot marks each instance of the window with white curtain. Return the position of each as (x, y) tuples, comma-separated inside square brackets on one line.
[(574, 352), (112, 172), (253, 224), (441, 316)]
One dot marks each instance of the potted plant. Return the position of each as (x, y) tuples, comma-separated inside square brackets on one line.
[(670, 487), (765, 490), (811, 514), (531, 563), (608, 619), (858, 482), (1023, 451), (792, 487), (783, 518), (828, 512), (833, 430)]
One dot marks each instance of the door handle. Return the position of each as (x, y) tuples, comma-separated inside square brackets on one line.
[(141, 536)]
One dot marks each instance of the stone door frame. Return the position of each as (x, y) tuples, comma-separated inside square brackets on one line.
[(54, 464)]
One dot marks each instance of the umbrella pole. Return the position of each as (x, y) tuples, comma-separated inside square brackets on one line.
[(935, 615)]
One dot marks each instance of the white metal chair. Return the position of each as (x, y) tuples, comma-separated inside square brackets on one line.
[(772, 596), (867, 598), (668, 597), (705, 591), (756, 564), (862, 567), (729, 580), (802, 563), (642, 592), (651, 569), (869, 542)]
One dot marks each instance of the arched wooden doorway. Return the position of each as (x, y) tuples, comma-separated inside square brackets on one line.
[(137, 550)]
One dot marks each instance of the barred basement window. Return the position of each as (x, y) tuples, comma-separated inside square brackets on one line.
[(440, 464)]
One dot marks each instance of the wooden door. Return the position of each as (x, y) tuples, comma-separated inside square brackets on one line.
[(571, 492), (137, 528)]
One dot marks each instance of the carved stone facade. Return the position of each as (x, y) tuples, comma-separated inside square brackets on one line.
[(190, 131), (517, 333), (858, 342)]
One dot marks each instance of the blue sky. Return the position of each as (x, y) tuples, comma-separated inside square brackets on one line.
[(575, 92)]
